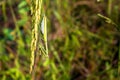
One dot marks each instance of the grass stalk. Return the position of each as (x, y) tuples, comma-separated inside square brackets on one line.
[(36, 15), (109, 7)]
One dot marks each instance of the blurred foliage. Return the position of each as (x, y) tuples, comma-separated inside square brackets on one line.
[(82, 46)]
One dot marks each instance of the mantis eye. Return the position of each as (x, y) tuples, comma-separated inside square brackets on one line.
[(42, 25), (44, 28)]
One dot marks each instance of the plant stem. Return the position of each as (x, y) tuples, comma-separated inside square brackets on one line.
[(109, 7)]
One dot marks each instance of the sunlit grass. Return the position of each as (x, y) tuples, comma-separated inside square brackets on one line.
[(81, 44)]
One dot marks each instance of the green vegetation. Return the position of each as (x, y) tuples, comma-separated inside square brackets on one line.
[(83, 38)]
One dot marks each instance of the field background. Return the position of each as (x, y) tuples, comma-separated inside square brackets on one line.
[(82, 45)]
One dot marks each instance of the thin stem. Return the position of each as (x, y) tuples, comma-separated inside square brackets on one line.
[(119, 59), (109, 7)]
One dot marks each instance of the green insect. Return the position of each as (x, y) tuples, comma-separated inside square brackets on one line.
[(44, 32)]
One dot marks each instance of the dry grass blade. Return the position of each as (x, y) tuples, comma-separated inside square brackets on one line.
[(36, 15)]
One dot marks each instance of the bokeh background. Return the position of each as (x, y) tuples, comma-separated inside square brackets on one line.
[(82, 45)]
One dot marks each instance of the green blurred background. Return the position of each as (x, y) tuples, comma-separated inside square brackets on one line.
[(82, 46)]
